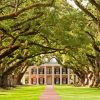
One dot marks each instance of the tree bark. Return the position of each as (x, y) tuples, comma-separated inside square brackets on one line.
[(9, 71)]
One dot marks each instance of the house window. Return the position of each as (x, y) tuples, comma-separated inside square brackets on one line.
[(64, 71), (64, 81), (41, 71), (57, 80), (33, 71), (41, 80), (57, 71), (34, 80), (49, 71)]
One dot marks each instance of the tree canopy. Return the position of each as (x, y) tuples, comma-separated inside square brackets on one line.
[(32, 28)]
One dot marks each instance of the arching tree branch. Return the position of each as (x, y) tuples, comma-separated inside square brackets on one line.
[(95, 4), (86, 11), (15, 14)]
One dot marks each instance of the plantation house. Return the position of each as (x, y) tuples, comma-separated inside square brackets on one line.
[(49, 73)]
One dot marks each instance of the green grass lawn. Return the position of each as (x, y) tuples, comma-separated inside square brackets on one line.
[(77, 93), (22, 93)]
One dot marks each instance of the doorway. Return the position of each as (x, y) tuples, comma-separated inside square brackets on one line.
[(49, 80)]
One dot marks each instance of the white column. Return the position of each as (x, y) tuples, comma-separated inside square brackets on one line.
[(60, 75), (68, 76), (23, 79), (76, 79), (45, 75), (52, 75), (30, 68), (37, 78)]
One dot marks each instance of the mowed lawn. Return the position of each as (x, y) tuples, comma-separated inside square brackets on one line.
[(22, 93), (78, 93)]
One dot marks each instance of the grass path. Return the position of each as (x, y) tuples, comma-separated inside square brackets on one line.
[(77, 93), (22, 93)]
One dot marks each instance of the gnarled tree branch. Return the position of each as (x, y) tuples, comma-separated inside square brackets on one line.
[(15, 14), (86, 11)]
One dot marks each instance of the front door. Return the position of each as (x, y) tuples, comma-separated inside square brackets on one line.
[(49, 80)]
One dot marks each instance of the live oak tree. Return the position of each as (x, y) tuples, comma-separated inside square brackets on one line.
[(17, 33), (24, 37), (27, 31), (92, 10), (76, 33)]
